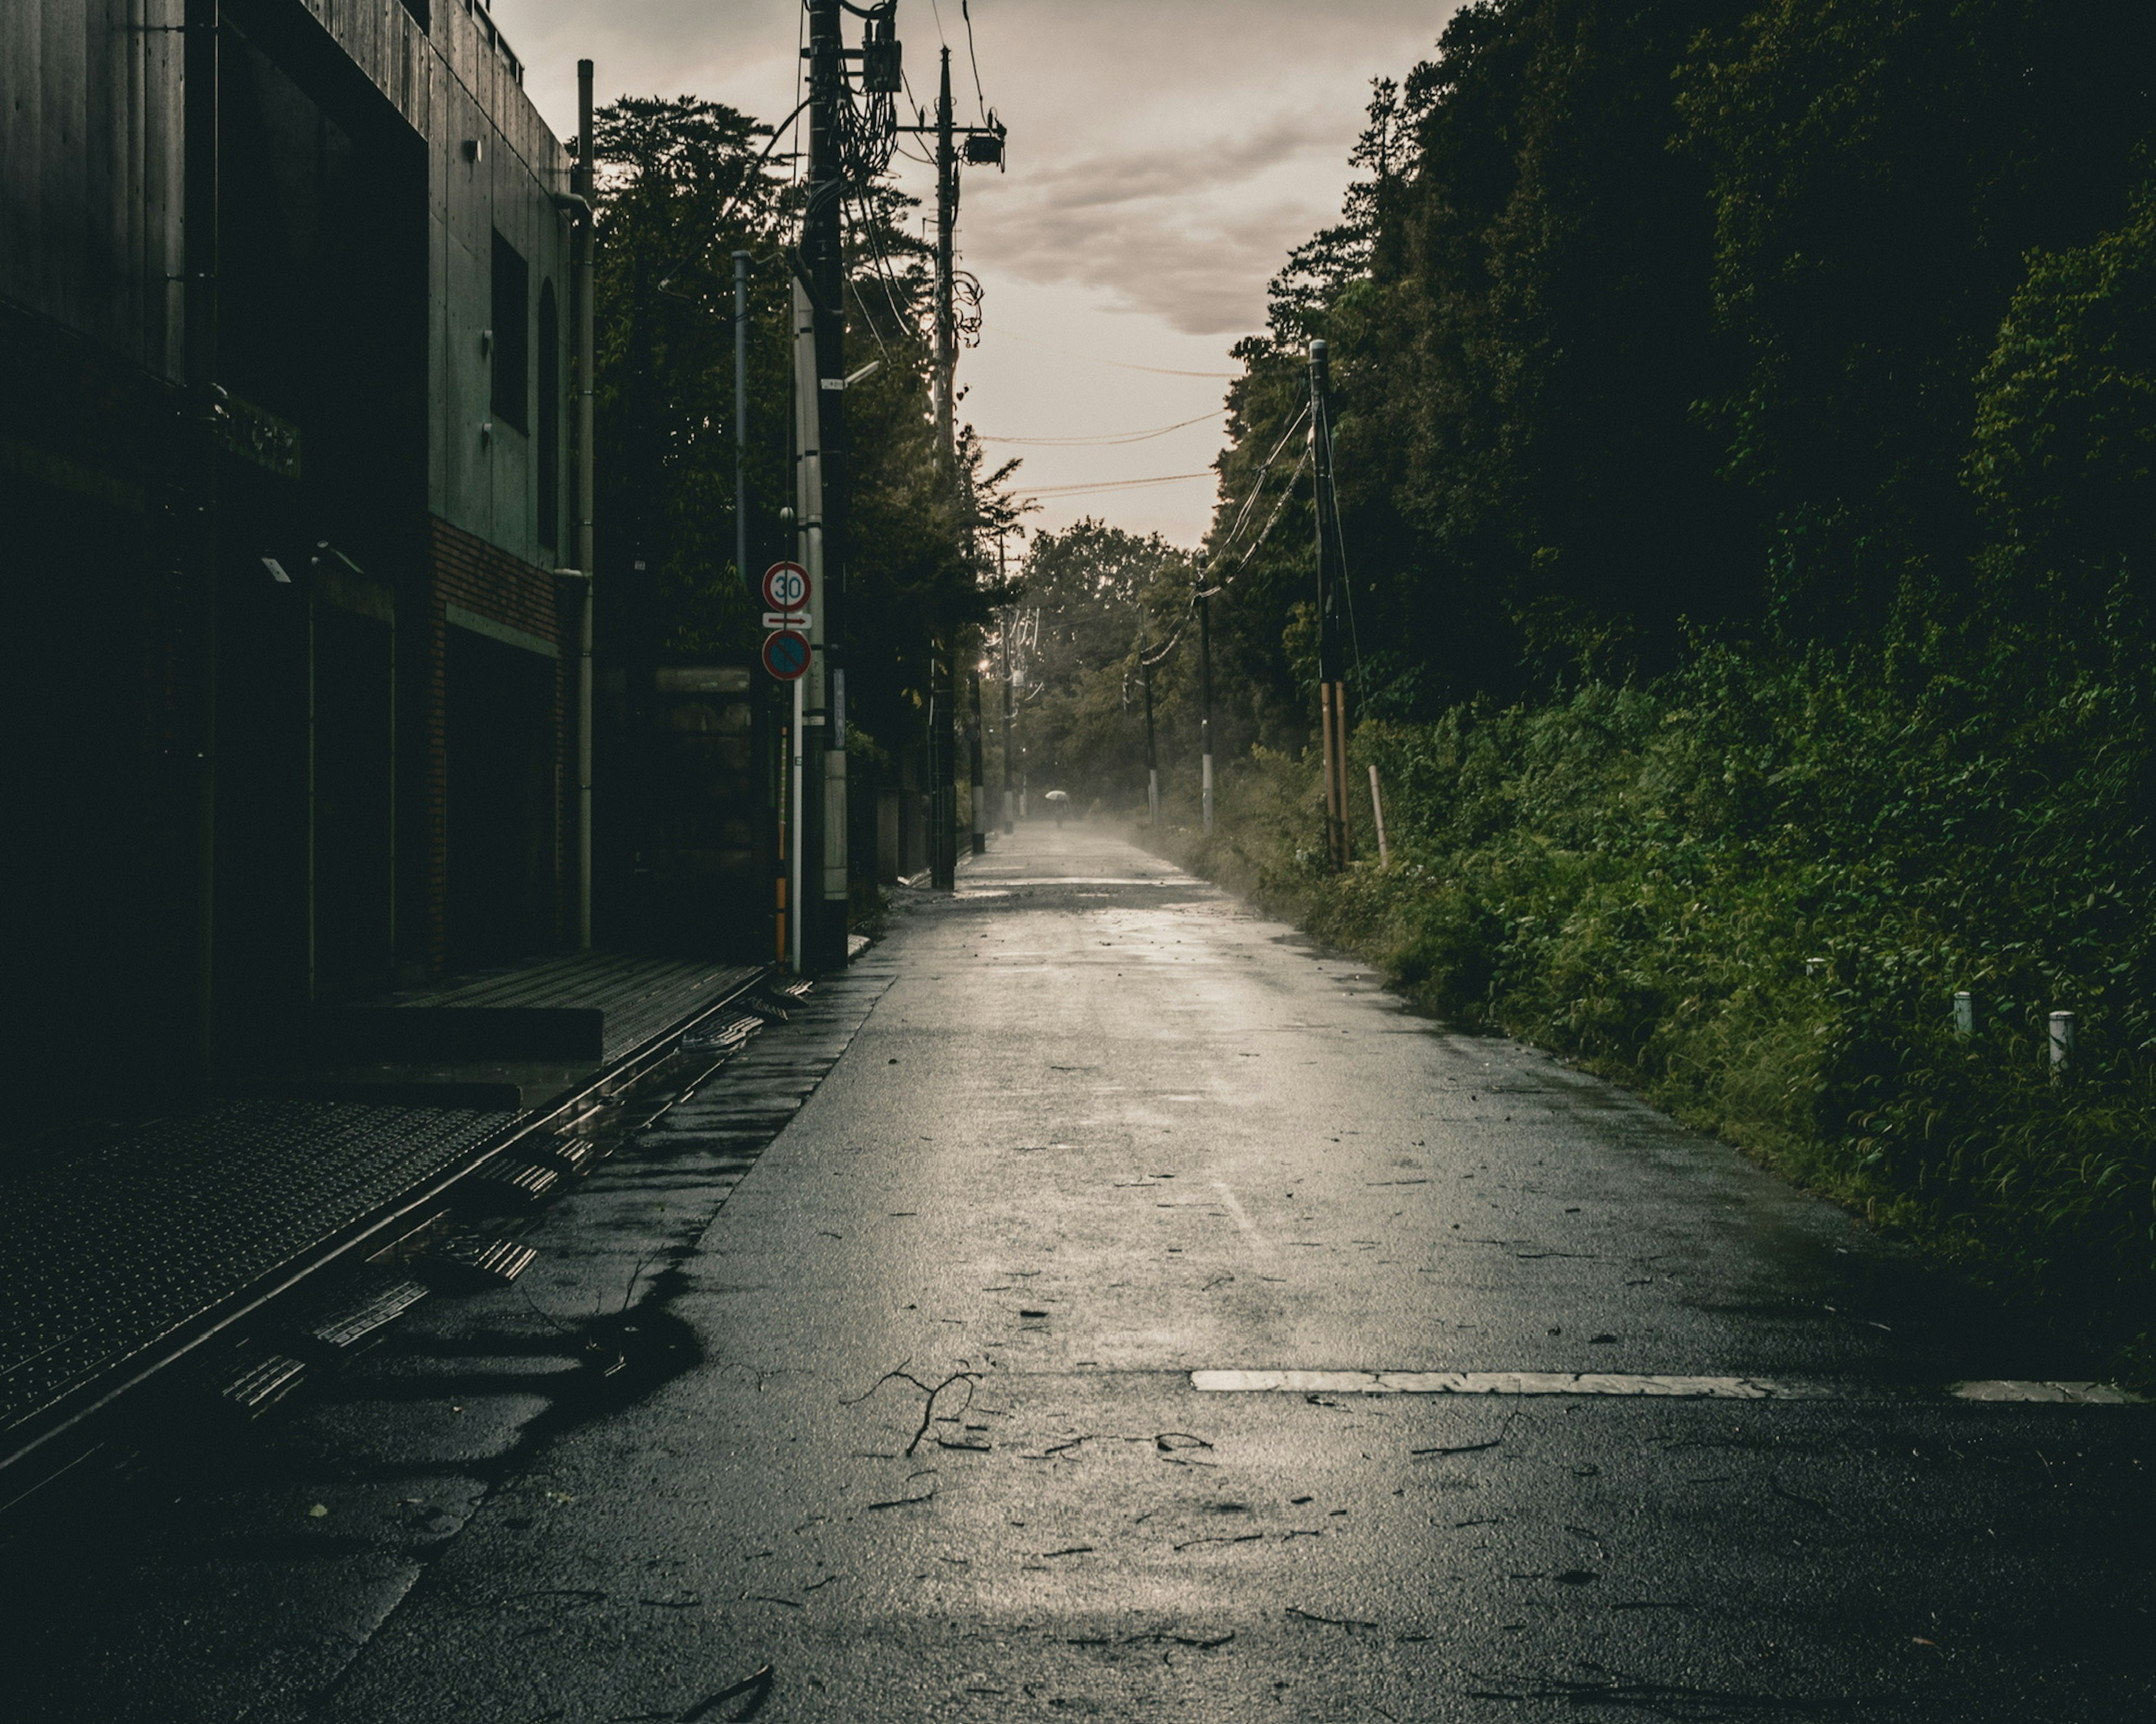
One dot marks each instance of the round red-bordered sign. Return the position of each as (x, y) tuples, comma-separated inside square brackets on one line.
[(786, 654), (786, 587)]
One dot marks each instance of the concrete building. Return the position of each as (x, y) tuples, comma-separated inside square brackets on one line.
[(285, 485)]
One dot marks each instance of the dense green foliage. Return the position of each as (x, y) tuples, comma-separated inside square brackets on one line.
[(684, 184), (1746, 414), (1090, 592)]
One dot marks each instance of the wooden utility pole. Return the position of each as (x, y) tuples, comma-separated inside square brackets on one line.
[(1205, 706), (1152, 758), (1331, 669)]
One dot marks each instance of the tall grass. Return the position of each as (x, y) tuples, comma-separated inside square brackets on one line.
[(1753, 894)]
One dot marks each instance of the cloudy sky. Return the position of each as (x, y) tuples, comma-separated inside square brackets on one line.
[(1164, 156)]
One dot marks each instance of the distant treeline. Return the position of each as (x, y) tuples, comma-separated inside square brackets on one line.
[(1746, 415)]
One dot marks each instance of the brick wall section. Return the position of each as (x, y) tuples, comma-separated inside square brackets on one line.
[(465, 570)]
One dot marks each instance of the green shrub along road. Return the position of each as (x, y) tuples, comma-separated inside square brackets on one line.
[(1745, 426), (1645, 881)]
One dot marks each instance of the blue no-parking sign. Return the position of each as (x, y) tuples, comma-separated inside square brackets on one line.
[(786, 654)]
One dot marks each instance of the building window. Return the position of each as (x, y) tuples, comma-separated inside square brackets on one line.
[(512, 335), (550, 419)]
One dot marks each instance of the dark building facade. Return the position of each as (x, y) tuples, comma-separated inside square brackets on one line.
[(285, 487)]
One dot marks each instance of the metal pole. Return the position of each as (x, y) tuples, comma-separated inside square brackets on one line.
[(823, 828), (947, 217), (942, 772), (1011, 796), (1332, 691), (1377, 819), (1205, 706), (585, 181), (1152, 762), (740, 419), (974, 741), (803, 899), (194, 731)]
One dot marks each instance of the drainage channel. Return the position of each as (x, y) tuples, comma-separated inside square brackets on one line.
[(502, 1169), (287, 1514)]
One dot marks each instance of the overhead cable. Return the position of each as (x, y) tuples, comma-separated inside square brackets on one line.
[(1114, 485), (1158, 371), (1108, 442)]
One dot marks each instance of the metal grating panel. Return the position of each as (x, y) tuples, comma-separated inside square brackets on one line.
[(364, 1312), (470, 1257), (206, 1204)]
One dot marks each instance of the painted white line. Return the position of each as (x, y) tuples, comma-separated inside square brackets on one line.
[(1259, 1242), (1610, 1382), (1501, 1382), (2076, 1394)]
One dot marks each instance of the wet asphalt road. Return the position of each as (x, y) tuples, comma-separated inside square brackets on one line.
[(903, 1413)]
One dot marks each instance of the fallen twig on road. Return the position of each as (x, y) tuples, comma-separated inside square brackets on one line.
[(908, 1501), (755, 1688), (928, 1406), (1349, 1623)]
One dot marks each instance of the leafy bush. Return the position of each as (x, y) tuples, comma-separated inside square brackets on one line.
[(1752, 893)]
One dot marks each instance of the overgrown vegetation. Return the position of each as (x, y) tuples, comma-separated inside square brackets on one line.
[(684, 184), (1746, 417)]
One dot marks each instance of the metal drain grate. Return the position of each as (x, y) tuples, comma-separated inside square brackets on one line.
[(474, 1257), (508, 1185), (263, 1384), (364, 1312), (728, 1037), (571, 1156)]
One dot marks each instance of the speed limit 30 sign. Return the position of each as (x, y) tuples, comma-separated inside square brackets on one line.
[(786, 587)]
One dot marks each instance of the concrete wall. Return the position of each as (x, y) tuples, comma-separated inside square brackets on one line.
[(90, 174), (461, 84), (89, 170)]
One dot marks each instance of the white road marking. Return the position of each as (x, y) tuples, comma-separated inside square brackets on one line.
[(2077, 1394), (1259, 1242), (1610, 1382), (1501, 1382)]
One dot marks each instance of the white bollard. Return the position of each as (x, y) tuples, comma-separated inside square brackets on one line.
[(2062, 1042), (1964, 1013)]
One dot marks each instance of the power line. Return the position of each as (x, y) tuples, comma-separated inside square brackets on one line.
[(1106, 442), (1114, 485), (1119, 364), (966, 12)]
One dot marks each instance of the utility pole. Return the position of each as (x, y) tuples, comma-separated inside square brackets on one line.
[(585, 184), (1206, 705), (947, 320), (191, 743), (944, 742), (1332, 674), (820, 377), (983, 144), (975, 740), (1152, 761), (942, 763), (741, 420), (1011, 796)]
